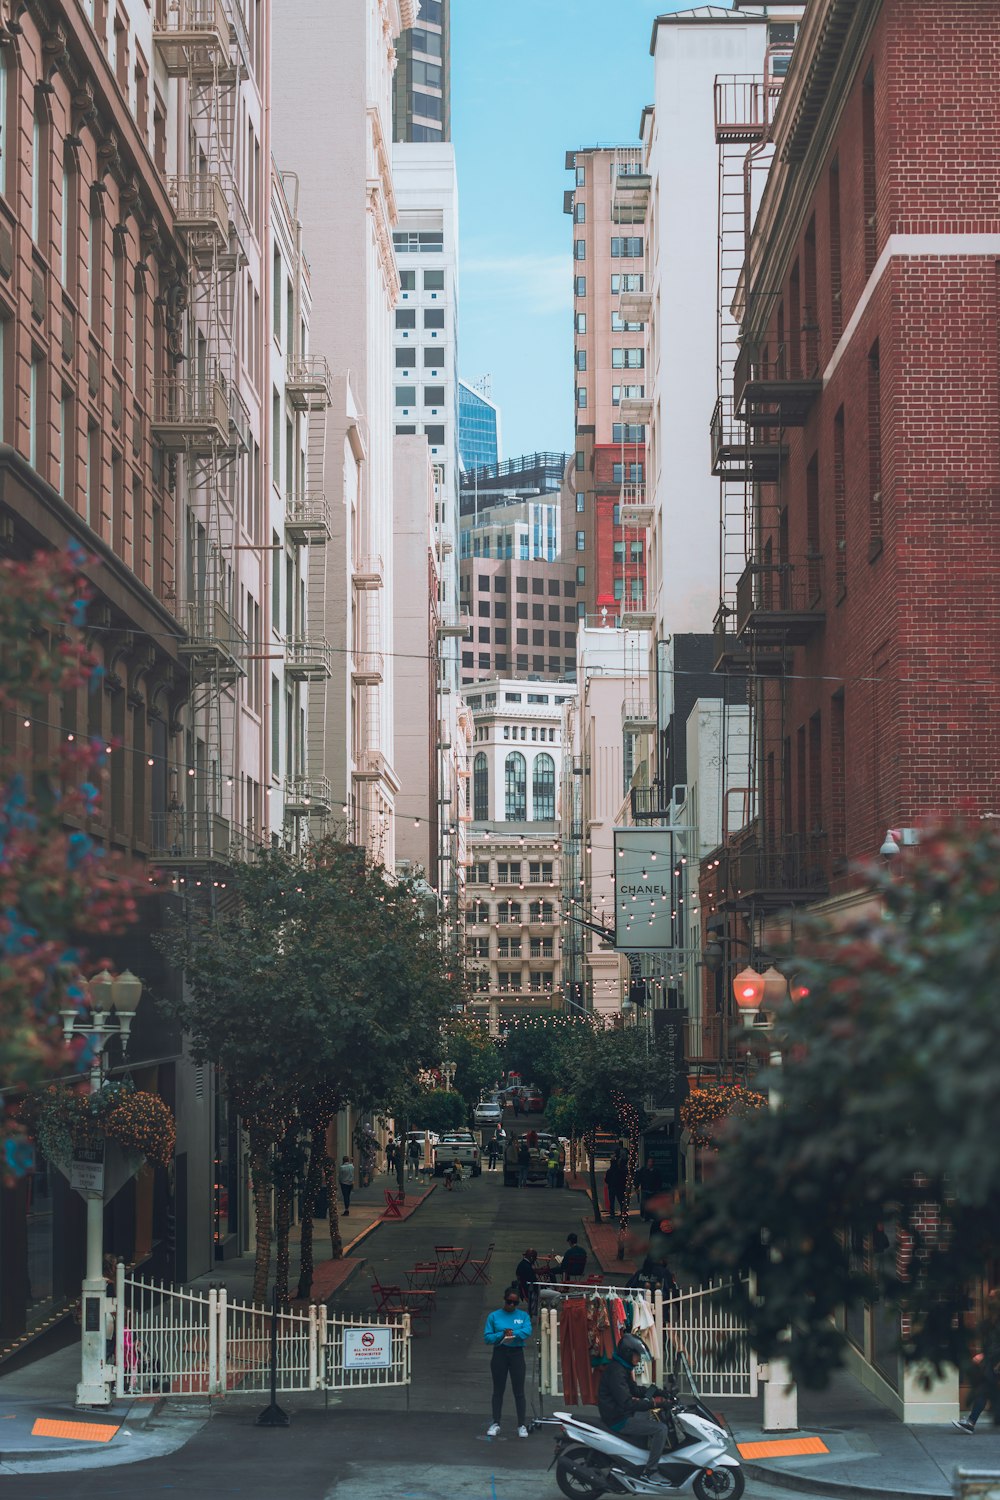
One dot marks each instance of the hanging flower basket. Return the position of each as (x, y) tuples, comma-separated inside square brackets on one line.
[(62, 1122), (142, 1122), (704, 1109)]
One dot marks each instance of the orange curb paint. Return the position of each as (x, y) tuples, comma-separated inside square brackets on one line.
[(782, 1448), (81, 1432)]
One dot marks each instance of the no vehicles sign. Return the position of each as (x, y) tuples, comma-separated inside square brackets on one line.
[(367, 1348)]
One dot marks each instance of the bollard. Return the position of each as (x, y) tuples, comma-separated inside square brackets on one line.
[(273, 1416)]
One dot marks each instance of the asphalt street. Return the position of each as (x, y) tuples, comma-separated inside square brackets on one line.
[(425, 1444)]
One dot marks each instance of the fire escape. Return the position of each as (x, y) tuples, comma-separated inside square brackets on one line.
[(202, 425), (630, 190), (769, 601)]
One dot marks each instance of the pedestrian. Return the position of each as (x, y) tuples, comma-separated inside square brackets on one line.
[(552, 1167), (650, 1185), (493, 1154), (507, 1330), (574, 1261), (614, 1182), (523, 1163), (413, 1156), (987, 1359), (527, 1278), (346, 1179), (390, 1155), (516, 1102)]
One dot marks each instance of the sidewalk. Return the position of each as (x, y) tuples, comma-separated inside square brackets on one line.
[(850, 1445)]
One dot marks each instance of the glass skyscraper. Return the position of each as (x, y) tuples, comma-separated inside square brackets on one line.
[(421, 86), (478, 429)]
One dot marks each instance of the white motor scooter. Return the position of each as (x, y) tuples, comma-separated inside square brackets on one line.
[(591, 1461)]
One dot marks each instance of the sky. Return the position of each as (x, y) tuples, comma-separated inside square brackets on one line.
[(532, 79)]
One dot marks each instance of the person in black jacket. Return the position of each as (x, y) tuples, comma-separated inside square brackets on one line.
[(623, 1406)]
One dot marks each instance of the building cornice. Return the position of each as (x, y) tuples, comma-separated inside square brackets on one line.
[(383, 238), (826, 57), (384, 163)]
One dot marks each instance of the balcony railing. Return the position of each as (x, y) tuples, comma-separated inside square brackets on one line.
[(636, 409), (368, 667), (635, 307), (790, 868), (184, 837), (308, 658), (308, 383), (635, 508), (638, 716), (637, 613), (307, 794), (191, 34), (779, 602), (741, 452), (773, 389), (370, 766), (307, 518), (368, 573), (743, 111), (200, 202), (191, 411), (214, 640)]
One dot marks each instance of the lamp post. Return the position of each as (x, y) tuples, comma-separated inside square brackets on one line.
[(103, 1020), (448, 1074)]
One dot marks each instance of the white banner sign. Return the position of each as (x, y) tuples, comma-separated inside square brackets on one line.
[(644, 889), (367, 1348), (86, 1173)]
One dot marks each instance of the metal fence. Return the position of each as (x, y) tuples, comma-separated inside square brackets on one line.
[(171, 1342)]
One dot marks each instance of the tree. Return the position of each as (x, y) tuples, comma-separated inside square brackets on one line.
[(439, 1110), (55, 880), (884, 1139), (476, 1057), (536, 1047), (320, 985)]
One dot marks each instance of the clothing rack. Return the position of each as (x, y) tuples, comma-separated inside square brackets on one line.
[(549, 1382)]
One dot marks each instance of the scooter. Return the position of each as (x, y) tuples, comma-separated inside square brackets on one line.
[(591, 1461)]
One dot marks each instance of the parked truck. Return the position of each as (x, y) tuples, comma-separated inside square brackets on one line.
[(539, 1143)]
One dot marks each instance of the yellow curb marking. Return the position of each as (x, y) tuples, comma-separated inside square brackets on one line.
[(84, 1432), (782, 1448)]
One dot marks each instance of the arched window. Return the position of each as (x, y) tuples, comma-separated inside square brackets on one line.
[(481, 789), (516, 788), (543, 787)]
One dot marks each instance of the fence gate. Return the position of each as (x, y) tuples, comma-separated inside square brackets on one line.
[(703, 1342), (182, 1343)]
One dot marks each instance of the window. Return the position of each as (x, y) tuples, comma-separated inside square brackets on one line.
[(428, 106), (580, 323), (581, 359), (540, 911), (581, 574), (630, 282), (619, 473), (36, 412), (581, 397), (579, 213), (626, 247), (869, 171), (581, 502), (509, 912), (509, 872), (406, 395), (406, 432), (435, 436), (433, 281), (874, 454), (543, 798), (581, 176), (433, 395), (581, 541), (628, 432), (541, 981), (478, 914), (579, 249), (406, 359), (635, 552), (407, 283), (425, 41), (515, 788), (619, 325), (433, 358), (406, 317), (39, 170), (4, 105), (481, 797), (579, 286), (433, 317), (628, 359), (412, 242)]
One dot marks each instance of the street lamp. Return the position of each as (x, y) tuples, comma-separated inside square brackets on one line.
[(101, 1021), (448, 1074)]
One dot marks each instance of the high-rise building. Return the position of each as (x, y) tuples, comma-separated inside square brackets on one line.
[(514, 894), (478, 428), (511, 479), (604, 492), (421, 87), (521, 617)]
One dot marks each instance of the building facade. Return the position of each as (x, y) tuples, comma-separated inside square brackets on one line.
[(521, 615), (607, 205), (478, 428), (421, 85)]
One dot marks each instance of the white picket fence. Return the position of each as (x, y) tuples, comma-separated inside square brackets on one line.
[(704, 1344), (184, 1343)]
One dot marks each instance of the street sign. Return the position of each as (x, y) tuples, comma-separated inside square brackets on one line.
[(644, 889), (367, 1348), (86, 1173), (672, 1085)]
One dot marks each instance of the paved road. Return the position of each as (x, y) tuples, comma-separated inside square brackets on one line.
[(427, 1445)]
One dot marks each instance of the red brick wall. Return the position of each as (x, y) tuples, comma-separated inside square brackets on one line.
[(909, 584)]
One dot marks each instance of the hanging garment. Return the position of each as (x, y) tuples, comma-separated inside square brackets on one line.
[(574, 1352), (619, 1322)]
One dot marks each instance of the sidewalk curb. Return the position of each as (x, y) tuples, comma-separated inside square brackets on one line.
[(140, 1416), (376, 1223), (810, 1484)]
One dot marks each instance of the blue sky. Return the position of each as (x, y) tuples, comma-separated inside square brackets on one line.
[(532, 79)]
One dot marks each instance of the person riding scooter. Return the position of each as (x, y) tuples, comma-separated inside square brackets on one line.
[(624, 1407)]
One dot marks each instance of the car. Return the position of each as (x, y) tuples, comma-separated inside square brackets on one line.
[(459, 1146), (487, 1112), (532, 1102)]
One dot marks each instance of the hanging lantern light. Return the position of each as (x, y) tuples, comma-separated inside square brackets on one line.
[(748, 989), (775, 987)]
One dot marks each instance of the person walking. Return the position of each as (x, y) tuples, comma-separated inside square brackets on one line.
[(526, 1278), (552, 1167), (412, 1157), (346, 1179), (493, 1154), (650, 1185), (390, 1155), (507, 1330), (988, 1358), (614, 1182), (523, 1163)]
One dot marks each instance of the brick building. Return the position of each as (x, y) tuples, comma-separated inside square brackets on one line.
[(869, 610)]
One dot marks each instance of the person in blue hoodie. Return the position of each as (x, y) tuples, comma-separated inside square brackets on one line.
[(507, 1330)]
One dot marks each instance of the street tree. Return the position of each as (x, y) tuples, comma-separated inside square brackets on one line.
[(476, 1057), (56, 881), (875, 1178), (320, 984), (537, 1047)]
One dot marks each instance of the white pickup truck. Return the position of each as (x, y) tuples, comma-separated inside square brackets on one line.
[(461, 1148)]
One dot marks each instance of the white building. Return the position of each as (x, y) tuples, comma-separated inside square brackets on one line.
[(340, 58)]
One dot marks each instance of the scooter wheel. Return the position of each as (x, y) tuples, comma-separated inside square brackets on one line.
[(576, 1486), (721, 1484)]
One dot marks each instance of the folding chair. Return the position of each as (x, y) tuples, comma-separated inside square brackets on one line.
[(457, 1267), (480, 1267), (385, 1295), (393, 1203)]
